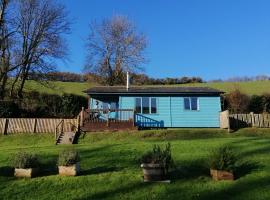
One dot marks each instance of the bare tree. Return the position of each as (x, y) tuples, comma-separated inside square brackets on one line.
[(4, 47), (41, 25), (114, 46), (238, 101)]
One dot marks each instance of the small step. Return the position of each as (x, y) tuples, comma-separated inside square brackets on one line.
[(66, 138)]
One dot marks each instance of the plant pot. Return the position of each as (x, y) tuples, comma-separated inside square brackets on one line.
[(153, 172), (71, 170), (218, 175), (26, 173)]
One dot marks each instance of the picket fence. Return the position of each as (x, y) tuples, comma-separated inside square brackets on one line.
[(244, 120), (34, 125)]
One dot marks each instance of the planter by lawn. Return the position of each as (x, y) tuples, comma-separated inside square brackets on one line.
[(26, 165), (223, 163), (219, 175), (156, 163), (26, 173), (153, 172), (72, 170), (68, 163)]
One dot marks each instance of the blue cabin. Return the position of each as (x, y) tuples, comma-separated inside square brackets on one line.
[(149, 107)]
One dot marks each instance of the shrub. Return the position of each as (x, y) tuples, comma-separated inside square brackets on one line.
[(159, 156), (25, 160), (8, 109), (224, 158), (256, 104), (68, 157), (238, 101)]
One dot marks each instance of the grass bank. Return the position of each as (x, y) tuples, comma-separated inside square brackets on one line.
[(110, 167)]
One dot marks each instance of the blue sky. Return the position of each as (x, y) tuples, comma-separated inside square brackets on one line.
[(207, 38)]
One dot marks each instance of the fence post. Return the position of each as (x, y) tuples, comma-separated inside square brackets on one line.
[(134, 118), (34, 125), (108, 118), (82, 117), (228, 118), (5, 126), (252, 119)]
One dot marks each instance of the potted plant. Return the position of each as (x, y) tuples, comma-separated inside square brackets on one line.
[(25, 164), (223, 163), (156, 163), (68, 163)]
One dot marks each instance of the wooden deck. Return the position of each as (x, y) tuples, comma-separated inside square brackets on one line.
[(107, 120)]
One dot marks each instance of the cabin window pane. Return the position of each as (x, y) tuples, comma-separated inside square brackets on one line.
[(113, 106), (138, 104), (145, 105), (194, 103), (105, 106), (187, 103), (153, 105)]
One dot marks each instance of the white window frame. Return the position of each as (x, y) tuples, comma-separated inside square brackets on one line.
[(150, 105), (190, 107)]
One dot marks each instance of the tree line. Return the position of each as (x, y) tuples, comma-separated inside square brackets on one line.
[(136, 79)]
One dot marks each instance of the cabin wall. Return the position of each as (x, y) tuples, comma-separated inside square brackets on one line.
[(161, 119), (171, 112)]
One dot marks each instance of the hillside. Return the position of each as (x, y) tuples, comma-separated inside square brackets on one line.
[(254, 87)]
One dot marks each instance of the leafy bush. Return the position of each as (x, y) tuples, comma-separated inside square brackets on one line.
[(159, 156), (68, 157), (25, 160), (35, 104), (224, 158), (8, 108)]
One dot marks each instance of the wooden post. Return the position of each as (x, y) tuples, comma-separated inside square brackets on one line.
[(252, 119), (34, 126), (5, 126), (82, 117), (134, 118), (108, 118), (78, 123)]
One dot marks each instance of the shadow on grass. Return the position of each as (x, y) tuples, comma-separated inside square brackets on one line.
[(7, 171), (187, 134), (99, 170), (48, 167), (118, 191), (245, 168), (246, 189), (189, 170), (200, 169)]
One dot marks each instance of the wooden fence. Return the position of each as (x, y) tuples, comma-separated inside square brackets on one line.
[(235, 121), (34, 125)]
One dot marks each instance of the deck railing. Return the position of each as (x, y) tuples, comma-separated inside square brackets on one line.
[(106, 115)]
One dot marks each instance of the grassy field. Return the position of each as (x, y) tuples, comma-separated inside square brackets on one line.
[(110, 167), (254, 87)]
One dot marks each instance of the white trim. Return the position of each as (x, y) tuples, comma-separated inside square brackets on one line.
[(190, 106)]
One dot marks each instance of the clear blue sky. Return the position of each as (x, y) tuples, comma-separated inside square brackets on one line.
[(208, 38)]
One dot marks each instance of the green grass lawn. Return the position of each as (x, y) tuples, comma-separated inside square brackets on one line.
[(110, 167), (254, 87)]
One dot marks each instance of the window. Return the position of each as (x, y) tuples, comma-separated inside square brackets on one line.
[(191, 103), (138, 105), (194, 103), (187, 103), (146, 105), (153, 105)]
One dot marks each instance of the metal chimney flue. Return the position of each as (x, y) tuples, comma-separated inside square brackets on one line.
[(128, 83)]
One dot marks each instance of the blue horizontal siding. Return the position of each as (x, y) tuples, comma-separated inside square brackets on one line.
[(171, 112), (206, 116)]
